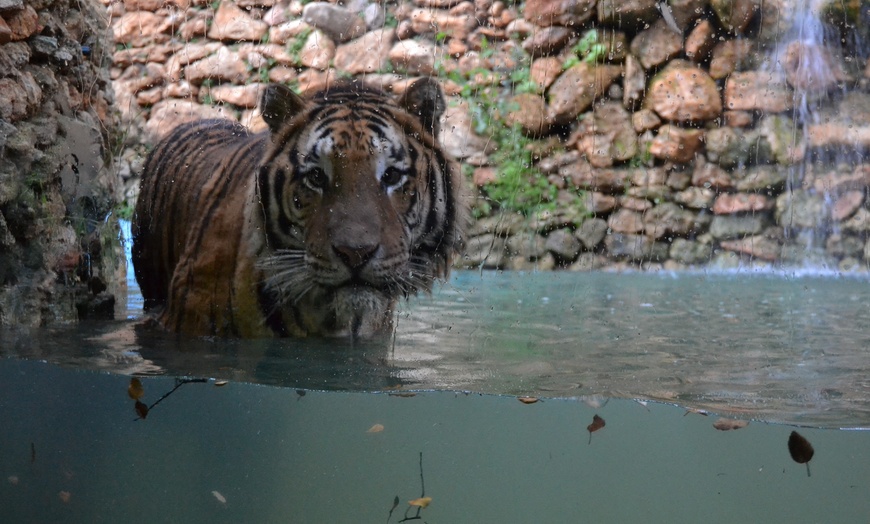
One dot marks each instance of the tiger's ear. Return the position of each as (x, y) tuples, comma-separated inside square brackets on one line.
[(278, 104), (425, 100)]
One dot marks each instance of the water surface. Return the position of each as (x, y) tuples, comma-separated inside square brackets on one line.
[(773, 347)]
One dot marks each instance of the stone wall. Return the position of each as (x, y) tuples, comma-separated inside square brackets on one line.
[(707, 135), (58, 242)]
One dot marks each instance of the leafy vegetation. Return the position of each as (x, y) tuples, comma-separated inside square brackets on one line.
[(519, 186), (588, 50), (295, 46)]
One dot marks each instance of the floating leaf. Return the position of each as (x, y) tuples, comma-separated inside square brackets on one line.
[(800, 449), (64, 496), (527, 400), (141, 409), (695, 411), (597, 423), (300, 392), (377, 428), (220, 498), (135, 389), (727, 424), (404, 394), (221, 383), (421, 502)]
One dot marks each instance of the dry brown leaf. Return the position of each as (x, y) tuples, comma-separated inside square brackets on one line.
[(420, 502), (597, 423), (141, 409), (800, 449), (135, 389), (527, 400)]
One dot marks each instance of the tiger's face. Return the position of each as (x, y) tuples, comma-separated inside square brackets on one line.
[(358, 203)]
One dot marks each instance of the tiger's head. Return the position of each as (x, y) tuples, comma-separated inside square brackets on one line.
[(359, 205)]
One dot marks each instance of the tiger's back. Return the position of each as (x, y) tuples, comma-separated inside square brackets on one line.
[(316, 227), (181, 176)]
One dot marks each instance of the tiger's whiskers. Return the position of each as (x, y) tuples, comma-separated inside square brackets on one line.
[(287, 275)]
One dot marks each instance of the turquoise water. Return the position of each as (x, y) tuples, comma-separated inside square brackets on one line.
[(289, 438), (275, 456), (770, 347)]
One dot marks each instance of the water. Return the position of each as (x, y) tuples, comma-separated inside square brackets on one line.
[(773, 347), (275, 456), (288, 438)]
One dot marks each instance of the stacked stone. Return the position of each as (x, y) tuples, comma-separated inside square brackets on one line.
[(57, 248), (680, 141)]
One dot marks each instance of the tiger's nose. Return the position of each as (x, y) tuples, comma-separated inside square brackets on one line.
[(355, 257)]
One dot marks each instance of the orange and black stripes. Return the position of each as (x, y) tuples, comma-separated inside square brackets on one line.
[(236, 234)]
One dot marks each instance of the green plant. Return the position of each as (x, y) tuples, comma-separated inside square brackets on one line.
[(390, 20), (295, 46), (124, 210), (518, 186), (588, 49)]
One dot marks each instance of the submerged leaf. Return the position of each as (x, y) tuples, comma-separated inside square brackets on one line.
[(395, 505), (377, 428), (141, 409), (597, 423), (800, 449), (220, 498), (135, 389), (727, 424), (64, 496), (421, 502)]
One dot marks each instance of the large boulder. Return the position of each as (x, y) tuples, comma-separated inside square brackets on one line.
[(684, 92)]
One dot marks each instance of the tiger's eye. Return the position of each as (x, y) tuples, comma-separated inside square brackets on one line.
[(392, 176), (316, 179)]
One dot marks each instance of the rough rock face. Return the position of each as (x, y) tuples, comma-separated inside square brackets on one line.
[(661, 143), (58, 252)]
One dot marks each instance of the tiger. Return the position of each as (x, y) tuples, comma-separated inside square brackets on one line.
[(317, 226)]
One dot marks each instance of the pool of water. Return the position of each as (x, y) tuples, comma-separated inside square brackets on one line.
[(780, 348), (330, 431)]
